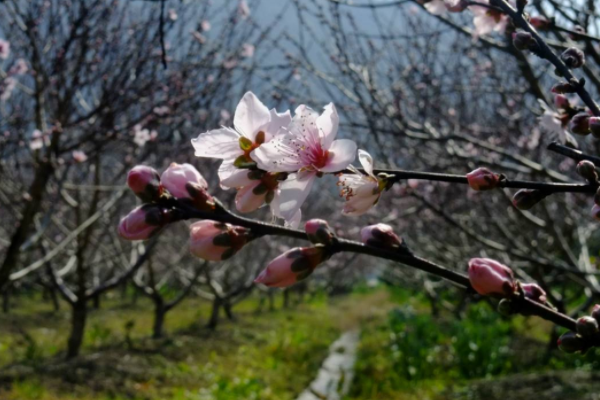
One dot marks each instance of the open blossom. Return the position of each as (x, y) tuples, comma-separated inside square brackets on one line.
[(4, 49), (243, 9), (554, 125), (254, 125), (360, 191), (308, 148), (489, 277), (487, 21), (292, 266), (247, 50), (216, 241), (141, 136)]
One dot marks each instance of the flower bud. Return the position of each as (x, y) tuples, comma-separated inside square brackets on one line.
[(250, 197), (580, 124), (563, 87), (596, 313), (596, 212), (587, 170), (292, 266), (216, 241), (594, 123), (523, 40), (506, 307), (143, 222), (381, 236), (456, 5), (571, 343), (318, 231), (525, 199), (144, 182), (540, 23), (489, 277), (561, 102), (573, 57), (587, 326), (483, 179), (176, 178), (534, 292)]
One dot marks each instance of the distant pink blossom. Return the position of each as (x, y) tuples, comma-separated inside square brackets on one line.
[(487, 20), (79, 156), (243, 9), (205, 25), (247, 50), (19, 68), (7, 86), (173, 15), (4, 49), (140, 136)]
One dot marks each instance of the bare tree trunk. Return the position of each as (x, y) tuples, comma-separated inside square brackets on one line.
[(271, 302), (214, 315), (96, 301), (78, 321), (159, 318), (6, 300), (228, 311), (54, 298)]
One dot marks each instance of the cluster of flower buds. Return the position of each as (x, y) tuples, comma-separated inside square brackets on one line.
[(525, 199), (217, 241), (181, 181), (383, 236), (483, 179), (587, 334)]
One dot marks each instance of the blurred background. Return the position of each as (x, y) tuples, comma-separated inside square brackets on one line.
[(90, 88)]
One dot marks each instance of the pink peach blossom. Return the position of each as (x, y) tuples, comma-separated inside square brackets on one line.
[(177, 177)]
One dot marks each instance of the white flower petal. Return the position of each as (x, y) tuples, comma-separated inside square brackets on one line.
[(294, 222), (250, 116), (278, 155), (327, 123), (218, 143), (293, 192), (231, 176), (436, 7), (341, 153), (366, 161)]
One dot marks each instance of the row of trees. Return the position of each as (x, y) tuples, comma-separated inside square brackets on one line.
[(414, 89)]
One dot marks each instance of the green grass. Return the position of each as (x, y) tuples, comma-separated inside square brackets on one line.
[(409, 354), (266, 356)]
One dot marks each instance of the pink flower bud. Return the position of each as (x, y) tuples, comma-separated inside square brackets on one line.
[(318, 231), (594, 123), (144, 182), (525, 199), (580, 124), (596, 313), (587, 170), (249, 198), (539, 23), (523, 40), (216, 241), (573, 57), (143, 222), (596, 212), (570, 342), (534, 292), (489, 277), (587, 326), (382, 236), (483, 179), (563, 87), (561, 102), (292, 266), (176, 178)]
